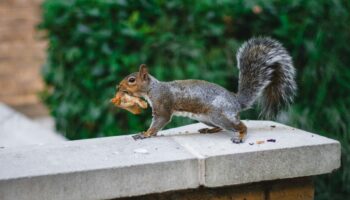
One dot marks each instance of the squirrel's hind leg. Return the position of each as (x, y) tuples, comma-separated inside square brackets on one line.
[(242, 132), (209, 130), (213, 129), (229, 123)]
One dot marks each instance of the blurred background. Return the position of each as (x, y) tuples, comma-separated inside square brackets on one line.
[(60, 60)]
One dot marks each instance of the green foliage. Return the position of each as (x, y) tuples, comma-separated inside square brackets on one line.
[(93, 44)]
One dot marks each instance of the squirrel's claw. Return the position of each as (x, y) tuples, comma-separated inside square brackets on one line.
[(236, 140), (140, 136)]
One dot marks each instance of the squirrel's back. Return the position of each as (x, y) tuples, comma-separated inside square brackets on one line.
[(266, 72), (200, 92)]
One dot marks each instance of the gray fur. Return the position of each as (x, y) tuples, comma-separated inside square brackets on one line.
[(266, 71), (220, 102)]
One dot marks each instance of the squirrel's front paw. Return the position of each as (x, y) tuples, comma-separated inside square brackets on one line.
[(143, 135), (139, 136)]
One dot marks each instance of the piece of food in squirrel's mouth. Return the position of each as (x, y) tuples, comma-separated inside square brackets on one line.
[(129, 103)]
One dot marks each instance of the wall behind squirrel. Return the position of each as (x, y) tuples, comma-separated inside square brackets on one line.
[(21, 56)]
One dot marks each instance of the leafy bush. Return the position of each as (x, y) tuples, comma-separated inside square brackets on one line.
[(93, 44)]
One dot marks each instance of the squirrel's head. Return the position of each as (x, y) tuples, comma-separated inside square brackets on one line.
[(137, 83)]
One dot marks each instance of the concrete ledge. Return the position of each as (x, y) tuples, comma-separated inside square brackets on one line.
[(17, 130), (286, 189), (117, 167), (294, 153), (96, 169)]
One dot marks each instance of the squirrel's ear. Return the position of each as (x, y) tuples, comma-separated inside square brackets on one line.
[(143, 72)]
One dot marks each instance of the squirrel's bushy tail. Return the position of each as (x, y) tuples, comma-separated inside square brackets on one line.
[(266, 72)]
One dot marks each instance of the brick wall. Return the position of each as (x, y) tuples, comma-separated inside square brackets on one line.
[(21, 56)]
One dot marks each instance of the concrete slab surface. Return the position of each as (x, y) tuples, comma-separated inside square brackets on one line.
[(290, 153), (179, 158), (96, 169)]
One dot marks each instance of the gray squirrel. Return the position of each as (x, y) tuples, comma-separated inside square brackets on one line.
[(266, 73)]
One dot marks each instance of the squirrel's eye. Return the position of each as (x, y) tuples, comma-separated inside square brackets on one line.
[(131, 80)]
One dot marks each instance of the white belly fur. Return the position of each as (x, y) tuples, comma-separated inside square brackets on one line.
[(198, 117)]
